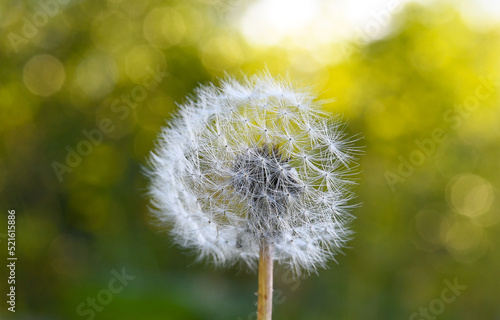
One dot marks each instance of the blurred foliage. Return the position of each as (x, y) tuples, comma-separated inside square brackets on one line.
[(65, 75)]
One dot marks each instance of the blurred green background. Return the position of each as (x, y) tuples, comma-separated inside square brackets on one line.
[(83, 96)]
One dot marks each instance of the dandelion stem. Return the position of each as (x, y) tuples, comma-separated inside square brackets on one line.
[(265, 294)]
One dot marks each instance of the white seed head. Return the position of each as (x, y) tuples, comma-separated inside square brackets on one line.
[(255, 161)]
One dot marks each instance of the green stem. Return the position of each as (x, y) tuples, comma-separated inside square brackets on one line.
[(265, 294)]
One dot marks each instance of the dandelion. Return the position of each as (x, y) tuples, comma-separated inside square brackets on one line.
[(255, 171)]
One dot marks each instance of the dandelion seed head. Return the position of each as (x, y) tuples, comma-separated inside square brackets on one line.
[(255, 161)]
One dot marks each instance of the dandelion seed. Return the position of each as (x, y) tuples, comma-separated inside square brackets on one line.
[(255, 169)]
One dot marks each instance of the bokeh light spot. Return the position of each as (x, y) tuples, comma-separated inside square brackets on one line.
[(44, 75), (141, 57), (470, 195), (463, 239), (96, 75), (164, 27)]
